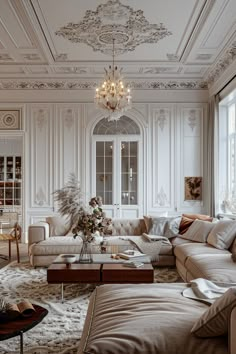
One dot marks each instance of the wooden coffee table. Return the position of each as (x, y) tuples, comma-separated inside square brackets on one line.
[(22, 324), (103, 270)]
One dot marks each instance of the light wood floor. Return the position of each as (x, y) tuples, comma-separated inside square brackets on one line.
[(4, 251)]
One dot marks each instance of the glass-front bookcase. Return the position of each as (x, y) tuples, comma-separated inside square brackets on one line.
[(10, 181)]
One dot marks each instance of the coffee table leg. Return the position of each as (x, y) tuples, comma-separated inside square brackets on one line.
[(62, 293), (21, 343)]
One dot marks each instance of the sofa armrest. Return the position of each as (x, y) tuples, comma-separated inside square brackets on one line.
[(38, 232), (232, 329)]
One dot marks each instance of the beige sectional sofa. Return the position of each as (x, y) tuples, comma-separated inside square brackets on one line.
[(150, 318), (44, 246)]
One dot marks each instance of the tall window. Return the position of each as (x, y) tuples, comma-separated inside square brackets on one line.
[(232, 150), (227, 154)]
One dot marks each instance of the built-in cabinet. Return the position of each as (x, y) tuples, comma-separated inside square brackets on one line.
[(10, 181)]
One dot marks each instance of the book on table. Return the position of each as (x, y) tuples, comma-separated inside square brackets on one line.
[(23, 308), (133, 264), (130, 254)]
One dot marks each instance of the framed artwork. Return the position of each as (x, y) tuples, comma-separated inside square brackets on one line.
[(193, 188), (10, 119)]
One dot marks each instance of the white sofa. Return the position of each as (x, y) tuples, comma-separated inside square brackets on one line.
[(44, 247)]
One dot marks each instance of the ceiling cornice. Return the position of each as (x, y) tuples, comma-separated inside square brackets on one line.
[(62, 84), (222, 64)]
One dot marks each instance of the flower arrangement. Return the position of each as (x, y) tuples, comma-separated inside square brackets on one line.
[(90, 223), (83, 222)]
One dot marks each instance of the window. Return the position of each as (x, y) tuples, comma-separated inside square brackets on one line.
[(227, 154)]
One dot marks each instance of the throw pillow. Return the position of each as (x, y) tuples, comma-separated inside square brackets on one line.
[(214, 322), (58, 226), (188, 219), (148, 220), (199, 217), (185, 223), (165, 226), (198, 231), (223, 234)]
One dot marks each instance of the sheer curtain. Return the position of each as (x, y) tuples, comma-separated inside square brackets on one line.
[(213, 153)]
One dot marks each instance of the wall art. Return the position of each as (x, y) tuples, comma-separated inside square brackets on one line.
[(193, 188)]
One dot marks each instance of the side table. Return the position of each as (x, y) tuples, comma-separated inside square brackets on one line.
[(22, 324)]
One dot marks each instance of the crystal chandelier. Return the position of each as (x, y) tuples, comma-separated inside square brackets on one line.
[(113, 96)]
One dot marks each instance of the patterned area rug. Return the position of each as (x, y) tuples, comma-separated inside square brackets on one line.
[(60, 330)]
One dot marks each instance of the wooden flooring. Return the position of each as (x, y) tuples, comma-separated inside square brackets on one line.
[(4, 251)]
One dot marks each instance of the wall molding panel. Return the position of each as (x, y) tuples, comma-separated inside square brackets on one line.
[(163, 158)]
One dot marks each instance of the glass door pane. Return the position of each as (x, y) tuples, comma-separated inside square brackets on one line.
[(104, 171), (129, 172)]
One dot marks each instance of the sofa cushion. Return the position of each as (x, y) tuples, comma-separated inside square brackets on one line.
[(153, 318), (148, 220), (216, 267), (188, 219), (124, 227), (183, 251), (198, 231), (223, 234), (215, 321), (165, 226), (58, 226)]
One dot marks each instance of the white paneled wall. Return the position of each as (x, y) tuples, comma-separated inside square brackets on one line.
[(58, 137)]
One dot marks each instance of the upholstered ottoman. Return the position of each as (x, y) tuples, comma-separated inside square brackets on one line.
[(148, 319)]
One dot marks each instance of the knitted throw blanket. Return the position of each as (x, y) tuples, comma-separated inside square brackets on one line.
[(151, 249)]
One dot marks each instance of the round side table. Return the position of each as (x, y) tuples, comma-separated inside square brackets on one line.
[(22, 324)]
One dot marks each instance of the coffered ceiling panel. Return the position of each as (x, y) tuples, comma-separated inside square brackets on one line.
[(166, 39)]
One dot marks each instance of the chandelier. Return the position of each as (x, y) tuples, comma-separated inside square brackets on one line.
[(113, 96)]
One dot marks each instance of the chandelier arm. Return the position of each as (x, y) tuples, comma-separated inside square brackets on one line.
[(113, 56)]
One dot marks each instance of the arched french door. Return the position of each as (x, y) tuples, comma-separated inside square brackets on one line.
[(117, 167)]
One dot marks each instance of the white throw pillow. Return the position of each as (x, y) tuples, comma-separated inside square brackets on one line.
[(148, 219), (215, 321), (165, 226), (223, 234), (198, 231), (58, 226)]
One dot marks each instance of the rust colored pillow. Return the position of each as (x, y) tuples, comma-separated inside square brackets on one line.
[(184, 225), (188, 219), (199, 217)]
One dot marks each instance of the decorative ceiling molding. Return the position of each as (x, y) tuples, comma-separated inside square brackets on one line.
[(113, 20), (88, 85), (228, 57)]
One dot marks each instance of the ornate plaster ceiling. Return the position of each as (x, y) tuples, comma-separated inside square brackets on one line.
[(159, 43)]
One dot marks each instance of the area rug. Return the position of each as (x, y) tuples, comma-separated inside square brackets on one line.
[(60, 330)]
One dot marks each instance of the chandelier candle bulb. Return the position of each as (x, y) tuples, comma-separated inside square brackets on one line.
[(113, 97)]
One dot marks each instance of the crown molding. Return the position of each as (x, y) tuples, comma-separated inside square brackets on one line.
[(222, 64), (53, 84)]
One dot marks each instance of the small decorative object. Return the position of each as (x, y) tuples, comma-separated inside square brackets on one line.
[(68, 258), (193, 188)]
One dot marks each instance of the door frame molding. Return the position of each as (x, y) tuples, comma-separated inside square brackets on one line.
[(92, 119)]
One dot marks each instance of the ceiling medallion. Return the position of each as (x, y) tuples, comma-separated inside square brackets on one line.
[(113, 97), (113, 20)]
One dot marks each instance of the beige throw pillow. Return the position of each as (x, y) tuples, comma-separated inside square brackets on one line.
[(223, 234), (214, 322), (198, 231), (58, 226)]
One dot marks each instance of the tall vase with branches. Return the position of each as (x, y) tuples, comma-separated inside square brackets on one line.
[(70, 200)]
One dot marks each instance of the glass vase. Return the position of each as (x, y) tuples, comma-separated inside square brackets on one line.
[(85, 253)]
